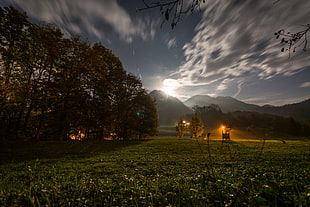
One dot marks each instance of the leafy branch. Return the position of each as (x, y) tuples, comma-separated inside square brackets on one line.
[(172, 10), (293, 40)]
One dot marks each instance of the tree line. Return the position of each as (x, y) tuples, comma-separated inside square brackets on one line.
[(262, 124), (195, 128), (52, 86)]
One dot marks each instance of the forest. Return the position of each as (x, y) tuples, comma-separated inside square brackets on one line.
[(54, 86), (262, 124)]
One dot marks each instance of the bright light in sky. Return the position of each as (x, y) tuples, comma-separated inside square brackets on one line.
[(228, 48), (169, 86)]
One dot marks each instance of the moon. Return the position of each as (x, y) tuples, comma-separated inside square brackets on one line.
[(169, 86)]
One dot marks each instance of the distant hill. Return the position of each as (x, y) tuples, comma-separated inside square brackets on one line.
[(299, 111), (169, 108), (226, 103)]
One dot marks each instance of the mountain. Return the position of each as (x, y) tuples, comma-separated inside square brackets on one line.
[(299, 111), (169, 108), (226, 103)]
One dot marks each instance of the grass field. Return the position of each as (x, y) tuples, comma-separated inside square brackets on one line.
[(158, 172)]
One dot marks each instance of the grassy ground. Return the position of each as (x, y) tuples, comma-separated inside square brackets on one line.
[(159, 172)]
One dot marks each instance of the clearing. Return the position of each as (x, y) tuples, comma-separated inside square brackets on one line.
[(157, 172)]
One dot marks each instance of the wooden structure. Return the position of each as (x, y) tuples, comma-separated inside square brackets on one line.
[(226, 128)]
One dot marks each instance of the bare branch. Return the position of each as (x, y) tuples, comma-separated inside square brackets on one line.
[(157, 4), (171, 10), (293, 41)]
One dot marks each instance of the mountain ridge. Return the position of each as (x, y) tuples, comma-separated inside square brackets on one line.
[(299, 111), (226, 103), (170, 108)]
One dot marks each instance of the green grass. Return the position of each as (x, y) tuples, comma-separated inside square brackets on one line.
[(159, 172)]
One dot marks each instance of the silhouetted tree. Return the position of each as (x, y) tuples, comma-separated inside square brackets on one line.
[(46, 53), (211, 114), (196, 127), (14, 46), (145, 118), (180, 128), (51, 86)]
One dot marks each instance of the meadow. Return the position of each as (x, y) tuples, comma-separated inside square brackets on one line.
[(156, 172)]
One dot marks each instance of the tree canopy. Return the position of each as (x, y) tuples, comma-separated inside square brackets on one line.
[(52, 87), (196, 127), (181, 128)]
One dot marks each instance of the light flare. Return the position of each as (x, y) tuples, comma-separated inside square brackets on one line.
[(170, 86)]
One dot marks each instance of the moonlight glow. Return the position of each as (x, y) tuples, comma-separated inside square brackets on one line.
[(227, 48), (169, 86)]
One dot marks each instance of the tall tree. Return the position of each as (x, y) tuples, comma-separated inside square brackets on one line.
[(44, 54), (130, 100), (211, 114), (13, 52), (145, 117), (196, 127), (52, 86), (180, 128)]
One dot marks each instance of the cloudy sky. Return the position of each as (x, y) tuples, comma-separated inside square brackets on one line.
[(227, 48)]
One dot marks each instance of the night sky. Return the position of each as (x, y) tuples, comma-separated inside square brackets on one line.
[(228, 48)]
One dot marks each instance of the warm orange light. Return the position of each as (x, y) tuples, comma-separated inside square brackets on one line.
[(79, 136)]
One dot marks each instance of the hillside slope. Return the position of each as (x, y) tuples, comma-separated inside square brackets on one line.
[(299, 111), (169, 108), (226, 103)]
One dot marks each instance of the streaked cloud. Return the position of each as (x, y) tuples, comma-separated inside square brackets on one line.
[(235, 40), (75, 16), (275, 102), (305, 85), (228, 48), (172, 43)]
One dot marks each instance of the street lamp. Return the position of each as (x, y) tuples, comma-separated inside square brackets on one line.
[(225, 131)]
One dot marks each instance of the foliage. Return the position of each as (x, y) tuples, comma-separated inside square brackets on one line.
[(172, 10), (268, 124), (261, 123), (196, 127), (293, 40), (181, 128), (211, 115), (154, 173), (54, 87)]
